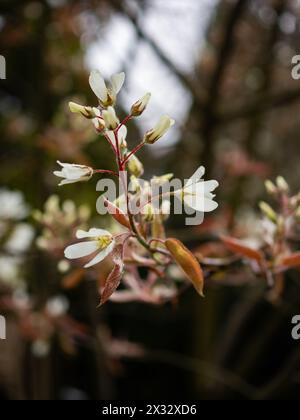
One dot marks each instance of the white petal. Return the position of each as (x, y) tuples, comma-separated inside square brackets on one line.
[(74, 172), (67, 181), (210, 205), (117, 81), (123, 133), (201, 204), (111, 136), (59, 174), (81, 249), (202, 188), (196, 176), (103, 254), (210, 186), (98, 85), (92, 233)]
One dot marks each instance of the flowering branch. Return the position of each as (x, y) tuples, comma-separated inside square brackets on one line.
[(144, 241)]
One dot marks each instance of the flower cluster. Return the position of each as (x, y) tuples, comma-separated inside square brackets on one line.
[(141, 240), (271, 251)]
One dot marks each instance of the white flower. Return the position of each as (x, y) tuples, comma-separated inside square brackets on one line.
[(197, 193), (122, 134), (73, 173), (100, 240), (12, 205), (139, 107), (106, 95), (159, 130), (20, 239), (110, 118)]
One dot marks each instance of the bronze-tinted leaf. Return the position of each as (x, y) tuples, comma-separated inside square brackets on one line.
[(240, 248), (188, 262), (113, 280), (292, 260), (116, 213)]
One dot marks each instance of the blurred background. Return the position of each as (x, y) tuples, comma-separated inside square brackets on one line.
[(222, 69)]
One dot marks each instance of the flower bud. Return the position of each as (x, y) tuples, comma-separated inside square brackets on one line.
[(99, 124), (280, 225), (268, 211), (164, 124), (139, 107), (37, 215), (134, 184), (110, 118), (270, 187), (294, 201), (160, 180), (282, 184), (148, 213), (165, 209), (135, 166), (85, 111)]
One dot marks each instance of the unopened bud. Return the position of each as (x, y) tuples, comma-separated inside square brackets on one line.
[(165, 209), (110, 118), (134, 184), (52, 204), (148, 213), (268, 211), (280, 225), (99, 124), (139, 107), (164, 124), (37, 215), (297, 213), (85, 111), (63, 266), (294, 201), (270, 187), (135, 166), (160, 180), (282, 184), (84, 212)]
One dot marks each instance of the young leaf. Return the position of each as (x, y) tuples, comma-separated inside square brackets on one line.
[(240, 248), (116, 213), (292, 260), (188, 262), (113, 280)]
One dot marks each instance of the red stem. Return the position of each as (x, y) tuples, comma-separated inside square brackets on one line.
[(105, 171), (136, 149), (125, 121)]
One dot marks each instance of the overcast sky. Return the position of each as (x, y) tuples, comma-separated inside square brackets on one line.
[(178, 27)]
